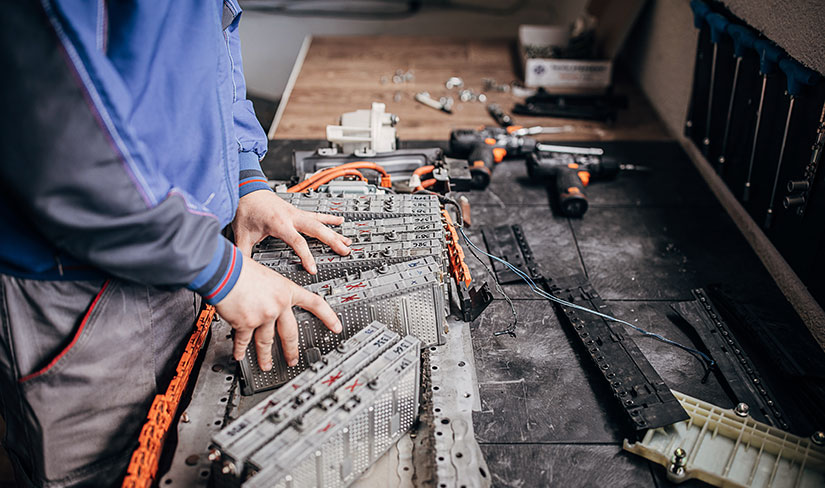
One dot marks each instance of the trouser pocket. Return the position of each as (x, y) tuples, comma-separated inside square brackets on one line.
[(83, 398)]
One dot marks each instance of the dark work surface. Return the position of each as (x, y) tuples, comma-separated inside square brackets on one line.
[(647, 239)]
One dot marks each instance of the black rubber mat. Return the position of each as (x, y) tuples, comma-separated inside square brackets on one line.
[(646, 241)]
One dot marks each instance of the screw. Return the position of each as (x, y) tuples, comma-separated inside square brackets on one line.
[(742, 409), (184, 418), (214, 455), (678, 462), (818, 438), (228, 467)]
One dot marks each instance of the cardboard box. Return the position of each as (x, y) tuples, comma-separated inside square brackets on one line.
[(614, 20)]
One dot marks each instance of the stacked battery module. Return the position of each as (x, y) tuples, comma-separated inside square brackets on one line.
[(408, 297), (330, 422), (396, 274)]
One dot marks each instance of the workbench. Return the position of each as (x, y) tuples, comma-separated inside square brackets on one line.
[(646, 241), (334, 75)]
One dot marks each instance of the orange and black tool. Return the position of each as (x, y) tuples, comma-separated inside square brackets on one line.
[(487, 146), (572, 172)]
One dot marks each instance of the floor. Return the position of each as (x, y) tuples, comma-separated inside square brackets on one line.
[(646, 241)]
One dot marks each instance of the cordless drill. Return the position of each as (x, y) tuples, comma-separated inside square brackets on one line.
[(484, 147), (573, 168)]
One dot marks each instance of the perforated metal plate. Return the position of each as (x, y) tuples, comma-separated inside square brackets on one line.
[(410, 300)]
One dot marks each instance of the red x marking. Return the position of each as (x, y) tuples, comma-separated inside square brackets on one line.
[(353, 286), (326, 428), (353, 385), (333, 378), (349, 298)]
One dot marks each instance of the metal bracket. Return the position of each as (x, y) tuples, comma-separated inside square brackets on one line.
[(204, 417)]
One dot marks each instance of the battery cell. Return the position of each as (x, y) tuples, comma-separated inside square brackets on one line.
[(329, 433), (408, 297), (255, 427), (361, 258), (361, 207)]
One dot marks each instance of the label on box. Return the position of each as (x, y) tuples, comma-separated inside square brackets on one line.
[(568, 73)]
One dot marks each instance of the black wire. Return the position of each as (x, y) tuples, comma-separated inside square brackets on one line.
[(511, 329)]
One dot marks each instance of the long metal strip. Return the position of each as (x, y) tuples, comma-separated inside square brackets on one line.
[(737, 371)]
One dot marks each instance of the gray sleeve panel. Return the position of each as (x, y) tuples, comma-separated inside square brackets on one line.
[(58, 163)]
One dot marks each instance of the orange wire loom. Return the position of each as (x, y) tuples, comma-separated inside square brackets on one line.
[(143, 467)]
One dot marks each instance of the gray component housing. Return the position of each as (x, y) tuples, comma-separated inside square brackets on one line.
[(361, 207), (372, 231), (363, 257), (242, 438), (409, 297), (329, 431)]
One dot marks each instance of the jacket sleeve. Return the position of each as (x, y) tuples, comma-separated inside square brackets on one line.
[(77, 170), (252, 142)]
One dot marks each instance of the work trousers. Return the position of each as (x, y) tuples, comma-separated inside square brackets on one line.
[(80, 363)]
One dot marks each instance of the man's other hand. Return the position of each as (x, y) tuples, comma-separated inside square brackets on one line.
[(263, 213), (262, 298)]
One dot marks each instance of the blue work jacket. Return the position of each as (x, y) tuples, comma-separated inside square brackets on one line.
[(126, 141)]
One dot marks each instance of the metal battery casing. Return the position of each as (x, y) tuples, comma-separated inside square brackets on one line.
[(363, 257), (362, 207), (409, 297), (246, 434), (341, 436), (365, 235), (357, 230)]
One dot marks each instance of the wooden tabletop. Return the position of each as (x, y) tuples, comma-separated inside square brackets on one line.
[(342, 74)]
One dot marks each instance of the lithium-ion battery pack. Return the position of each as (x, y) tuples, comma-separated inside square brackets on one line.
[(408, 297), (361, 207), (363, 257), (333, 425), (367, 231)]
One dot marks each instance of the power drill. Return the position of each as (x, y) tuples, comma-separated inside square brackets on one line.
[(484, 147), (573, 168)]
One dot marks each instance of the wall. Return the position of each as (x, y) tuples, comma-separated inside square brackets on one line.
[(660, 54), (271, 42)]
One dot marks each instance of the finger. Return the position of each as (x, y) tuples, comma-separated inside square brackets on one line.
[(327, 218), (264, 338), (313, 303), (336, 241), (301, 248), (242, 339), (288, 331)]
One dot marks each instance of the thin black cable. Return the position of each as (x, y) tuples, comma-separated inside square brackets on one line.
[(694, 352), (509, 330)]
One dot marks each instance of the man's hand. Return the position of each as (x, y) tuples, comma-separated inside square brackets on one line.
[(260, 299), (263, 213)]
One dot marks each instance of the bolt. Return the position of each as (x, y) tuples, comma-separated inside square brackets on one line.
[(742, 409), (818, 438), (678, 462)]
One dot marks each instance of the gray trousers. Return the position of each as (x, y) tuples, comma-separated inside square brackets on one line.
[(80, 363)]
